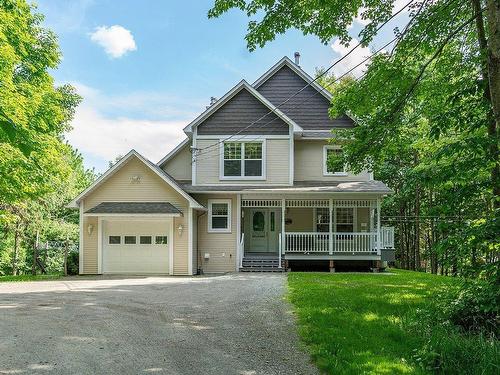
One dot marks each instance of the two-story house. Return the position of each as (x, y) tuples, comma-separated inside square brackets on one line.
[(249, 188)]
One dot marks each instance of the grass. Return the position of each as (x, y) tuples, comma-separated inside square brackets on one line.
[(11, 278), (368, 324)]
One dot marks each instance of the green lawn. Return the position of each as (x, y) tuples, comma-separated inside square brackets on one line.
[(30, 277), (358, 324)]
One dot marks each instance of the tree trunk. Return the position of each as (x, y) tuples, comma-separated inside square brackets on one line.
[(16, 249), (35, 253), (490, 71)]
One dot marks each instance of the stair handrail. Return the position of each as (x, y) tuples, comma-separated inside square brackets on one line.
[(242, 249)]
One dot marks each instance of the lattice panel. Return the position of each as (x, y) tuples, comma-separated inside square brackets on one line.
[(260, 203), (307, 203), (355, 203)]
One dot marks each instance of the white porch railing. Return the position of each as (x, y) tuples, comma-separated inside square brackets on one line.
[(317, 242), (300, 242), (387, 237), (360, 242)]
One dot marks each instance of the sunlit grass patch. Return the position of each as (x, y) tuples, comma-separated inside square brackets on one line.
[(358, 323), (30, 277)]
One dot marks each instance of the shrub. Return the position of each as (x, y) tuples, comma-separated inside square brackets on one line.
[(473, 306), (73, 263)]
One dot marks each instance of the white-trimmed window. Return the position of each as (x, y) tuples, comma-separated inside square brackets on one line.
[(243, 160), (333, 168), (145, 240), (219, 215), (129, 240), (322, 219), (344, 219), (114, 240)]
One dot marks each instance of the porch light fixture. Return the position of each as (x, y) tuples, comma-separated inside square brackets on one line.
[(180, 228), (90, 229)]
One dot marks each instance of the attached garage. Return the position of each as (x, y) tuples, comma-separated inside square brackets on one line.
[(138, 246), (135, 237), (136, 219)]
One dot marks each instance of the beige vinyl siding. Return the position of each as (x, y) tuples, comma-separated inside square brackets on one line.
[(309, 164), (277, 164), (151, 188), (90, 246), (302, 220), (194, 227), (179, 166), (363, 217), (220, 246)]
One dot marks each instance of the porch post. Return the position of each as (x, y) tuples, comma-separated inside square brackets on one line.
[(240, 255), (330, 227), (378, 227), (283, 238)]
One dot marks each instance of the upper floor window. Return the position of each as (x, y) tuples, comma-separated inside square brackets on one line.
[(333, 165), (219, 215), (243, 160)]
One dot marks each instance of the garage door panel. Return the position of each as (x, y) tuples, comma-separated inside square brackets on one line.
[(135, 258)]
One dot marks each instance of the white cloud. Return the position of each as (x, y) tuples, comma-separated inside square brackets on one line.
[(116, 40), (398, 4), (106, 126), (106, 138), (356, 57)]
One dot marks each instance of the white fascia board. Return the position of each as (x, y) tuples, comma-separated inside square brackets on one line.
[(286, 61), (173, 152), (192, 202), (231, 93)]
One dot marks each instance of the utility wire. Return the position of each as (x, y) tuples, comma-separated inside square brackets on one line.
[(323, 88), (314, 80)]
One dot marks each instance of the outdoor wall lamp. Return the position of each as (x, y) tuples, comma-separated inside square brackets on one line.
[(90, 228), (180, 228)]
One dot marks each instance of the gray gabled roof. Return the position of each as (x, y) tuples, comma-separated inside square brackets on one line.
[(134, 208)]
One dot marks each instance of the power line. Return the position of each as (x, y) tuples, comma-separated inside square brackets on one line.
[(305, 101), (314, 80), (323, 88), (399, 37)]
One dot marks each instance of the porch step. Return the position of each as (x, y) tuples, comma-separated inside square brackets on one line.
[(255, 264), (261, 269)]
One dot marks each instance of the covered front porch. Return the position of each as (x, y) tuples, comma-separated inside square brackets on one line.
[(309, 228)]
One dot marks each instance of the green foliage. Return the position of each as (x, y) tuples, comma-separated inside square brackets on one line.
[(39, 171), (474, 306), (73, 263), (385, 323), (325, 19)]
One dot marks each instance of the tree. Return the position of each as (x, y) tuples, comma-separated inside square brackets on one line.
[(39, 171), (328, 19), (426, 114)]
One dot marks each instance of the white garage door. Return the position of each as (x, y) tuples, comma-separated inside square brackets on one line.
[(138, 247)]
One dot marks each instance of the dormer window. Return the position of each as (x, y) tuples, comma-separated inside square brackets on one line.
[(332, 162), (243, 160)]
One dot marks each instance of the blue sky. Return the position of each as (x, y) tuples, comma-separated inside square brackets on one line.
[(146, 68)]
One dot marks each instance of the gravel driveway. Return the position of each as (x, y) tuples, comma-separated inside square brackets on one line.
[(232, 324)]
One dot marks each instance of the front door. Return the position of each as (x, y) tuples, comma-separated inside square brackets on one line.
[(262, 230), (258, 230)]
